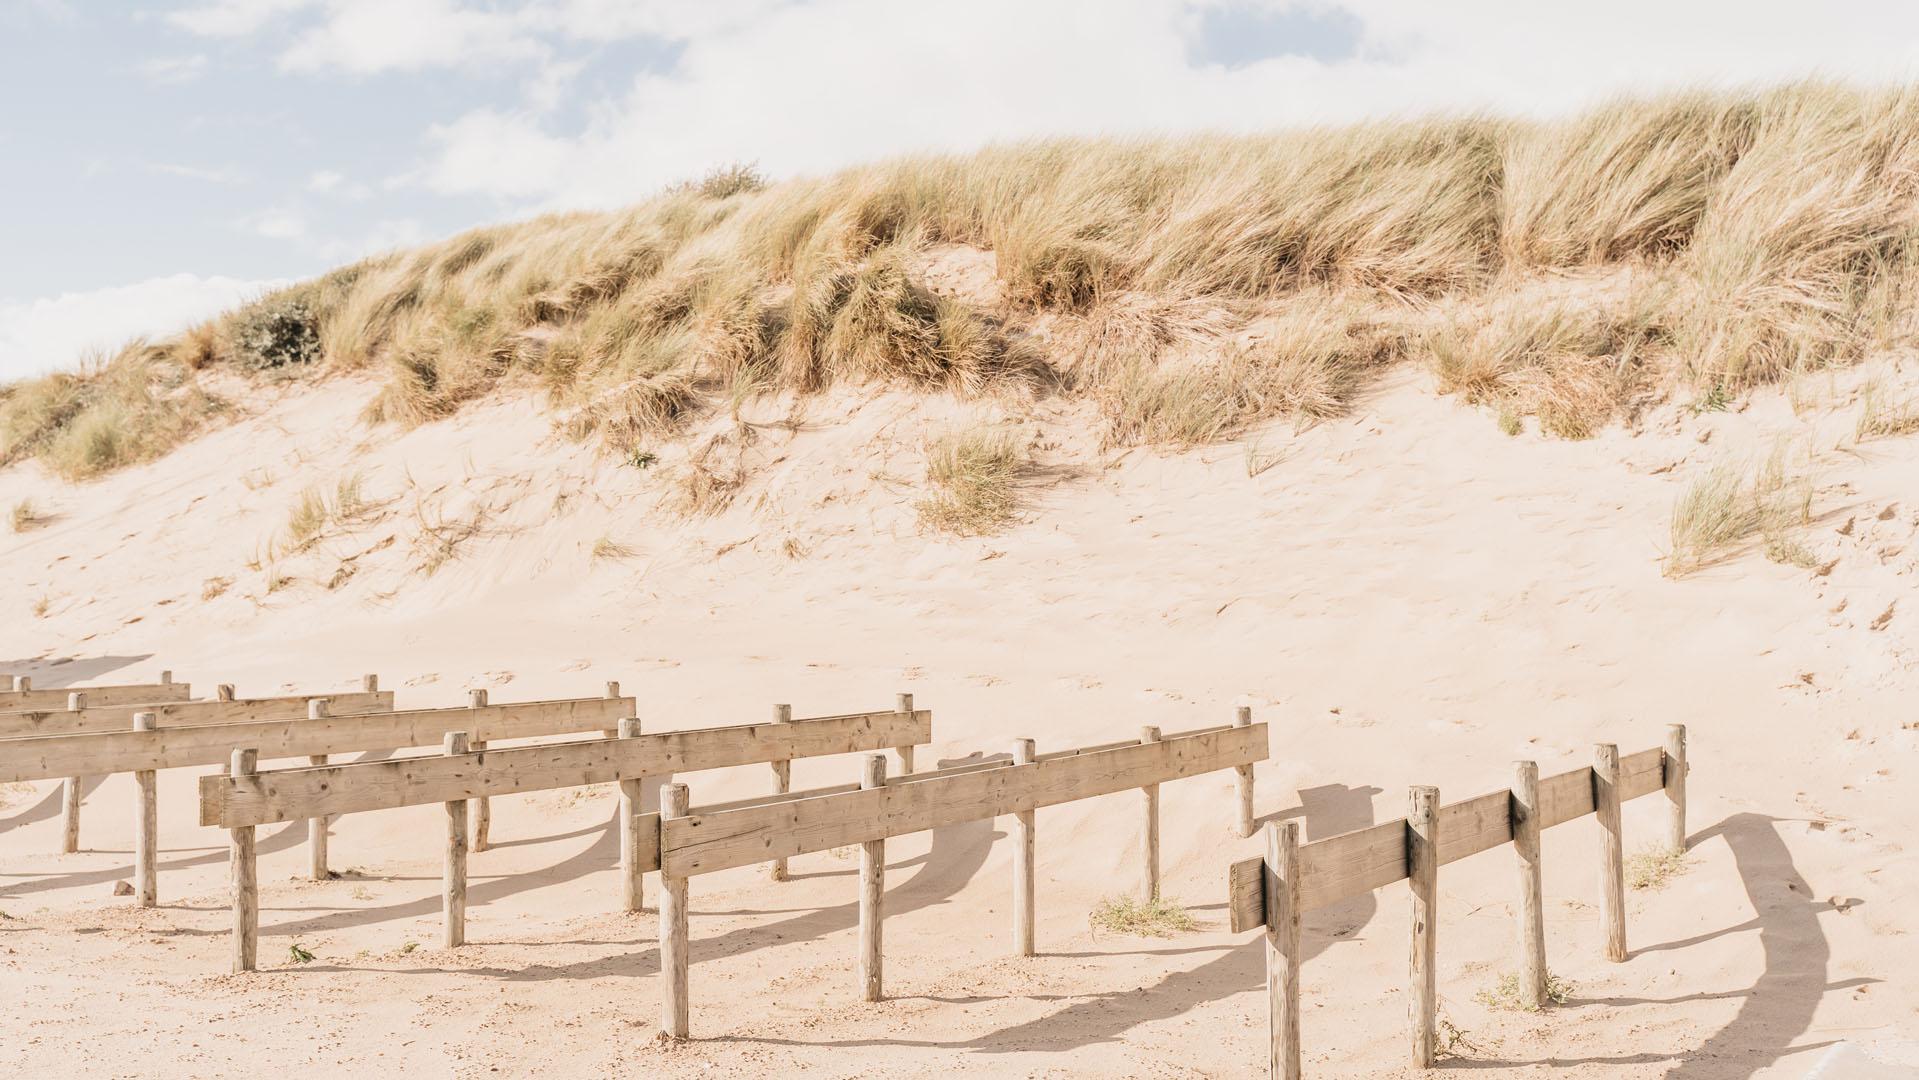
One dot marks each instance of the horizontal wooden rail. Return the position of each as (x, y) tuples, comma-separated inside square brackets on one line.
[(704, 843), (45, 756), (293, 794), (130, 694), (1354, 863), (96, 718)]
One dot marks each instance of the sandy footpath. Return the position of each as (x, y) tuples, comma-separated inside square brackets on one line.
[(1406, 596)]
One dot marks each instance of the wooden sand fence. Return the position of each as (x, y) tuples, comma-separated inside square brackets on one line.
[(24, 696), (208, 733), (1292, 878), (245, 798)]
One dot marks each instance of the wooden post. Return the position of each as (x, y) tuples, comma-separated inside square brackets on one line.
[(872, 891), (483, 806), (370, 683), (1282, 947), (1612, 853), (1675, 775), (146, 832), (1149, 879), (904, 704), (246, 887), (1422, 866), (223, 692), (612, 688), (317, 826), (782, 783), (675, 1006), (632, 877), (1532, 919), (23, 682), (453, 879), (70, 794), (1244, 718), (166, 678), (1023, 863)]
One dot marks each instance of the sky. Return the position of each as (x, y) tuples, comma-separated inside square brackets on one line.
[(161, 161)]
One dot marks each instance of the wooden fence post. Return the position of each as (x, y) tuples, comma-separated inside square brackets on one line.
[(370, 683), (166, 678), (1532, 919), (1612, 852), (146, 833), (1244, 718), (1675, 778), (782, 783), (904, 704), (453, 883), (1023, 863), (1282, 947), (872, 891), (23, 682), (482, 806), (246, 886), (223, 692), (675, 1006), (317, 826), (70, 794), (1149, 878), (632, 880), (1422, 866)]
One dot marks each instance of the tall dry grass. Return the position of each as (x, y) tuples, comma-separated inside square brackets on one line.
[(1779, 226)]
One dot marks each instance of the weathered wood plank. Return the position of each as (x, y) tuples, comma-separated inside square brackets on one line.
[(129, 694), (1350, 864), (1246, 895), (95, 718), (1642, 773), (1565, 797), (290, 794), (48, 756), (699, 844), (1476, 825)]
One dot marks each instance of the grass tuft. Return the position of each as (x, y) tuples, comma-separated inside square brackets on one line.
[(1652, 868), (1159, 917), (1728, 504), (1504, 994), (25, 516), (974, 472), (1881, 417)]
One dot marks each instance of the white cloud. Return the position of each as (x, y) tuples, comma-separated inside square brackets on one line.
[(37, 336), (195, 172), (325, 180), (810, 88), (369, 36), (174, 70), (278, 223), (232, 18)]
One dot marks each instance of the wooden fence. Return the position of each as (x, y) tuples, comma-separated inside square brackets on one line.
[(1293, 878), (314, 733), (686, 842), (24, 696), (246, 798)]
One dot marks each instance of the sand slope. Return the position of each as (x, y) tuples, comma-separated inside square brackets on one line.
[(1407, 595)]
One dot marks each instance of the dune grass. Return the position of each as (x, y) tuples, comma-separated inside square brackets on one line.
[(1730, 503), (973, 471), (1158, 917), (1883, 417), (1193, 286), (25, 516)]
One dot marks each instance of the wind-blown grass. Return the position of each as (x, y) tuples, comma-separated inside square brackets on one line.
[(1771, 229)]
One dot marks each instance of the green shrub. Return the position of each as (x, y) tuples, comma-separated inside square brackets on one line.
[(276, 333)]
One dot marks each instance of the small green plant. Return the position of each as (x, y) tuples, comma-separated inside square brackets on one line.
[(1504, 994), (1452, 1039), (275, 334), (1158, 917), (359, 892), (642, 459), (1652, 868), (1510, 421), (1715, 399), (299, 954), (409, 946)]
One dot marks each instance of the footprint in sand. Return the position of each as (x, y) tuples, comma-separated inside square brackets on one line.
[(423, 680), (578, 665)]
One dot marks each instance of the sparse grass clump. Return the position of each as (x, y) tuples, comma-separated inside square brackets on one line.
[(1881, 417), (1726, 504), (1159, 917), (1651, 868), (608, 548), (313, 512), (1504, 994), (25, 516), (974, 472)]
